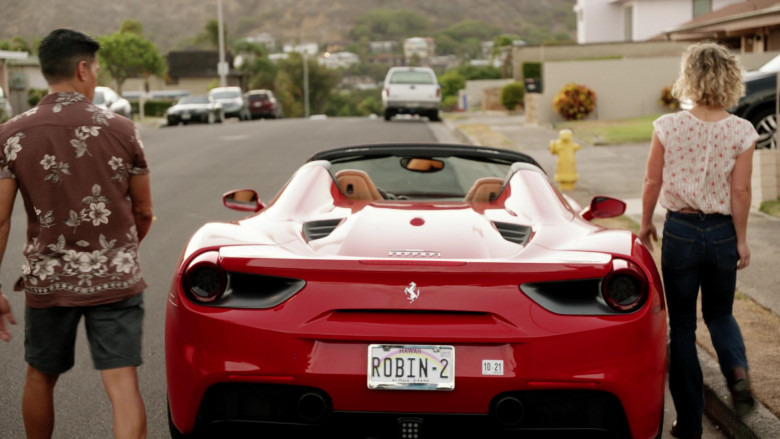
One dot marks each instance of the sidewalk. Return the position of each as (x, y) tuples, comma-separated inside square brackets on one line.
[(618, 171)]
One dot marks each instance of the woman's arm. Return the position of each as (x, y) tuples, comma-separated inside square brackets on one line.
[(650, 191), (741, 194)]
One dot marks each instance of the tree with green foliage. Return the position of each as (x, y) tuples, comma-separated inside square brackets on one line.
[(479, 72), (451, 82), (132, 27), (262, 73), (353, 103), (126, 55), (289, 84), (210, 35), (389, 24)]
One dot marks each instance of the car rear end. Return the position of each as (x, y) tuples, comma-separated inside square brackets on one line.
[(261, 105), (232, 101), (411, 90), (437, 348)]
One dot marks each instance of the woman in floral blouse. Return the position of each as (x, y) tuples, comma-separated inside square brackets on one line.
[(700, 165)]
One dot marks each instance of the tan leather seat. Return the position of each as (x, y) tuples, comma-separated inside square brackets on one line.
[(484, 190), (357, 185)]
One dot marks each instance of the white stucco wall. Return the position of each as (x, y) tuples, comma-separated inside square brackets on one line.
[(600, 21), (650, 18)]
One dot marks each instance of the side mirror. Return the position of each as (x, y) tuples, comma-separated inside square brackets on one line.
[(245, 200), (603, 207)]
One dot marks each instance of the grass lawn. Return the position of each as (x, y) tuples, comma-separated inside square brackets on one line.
[(771, 208), (611, 132)]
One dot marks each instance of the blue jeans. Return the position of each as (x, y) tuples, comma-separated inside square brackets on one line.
[(699, 250)]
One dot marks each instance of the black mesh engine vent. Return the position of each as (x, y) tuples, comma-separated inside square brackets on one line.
[(516, 233), (319, 229)]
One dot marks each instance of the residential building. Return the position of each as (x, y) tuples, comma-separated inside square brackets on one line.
[(310, 49), (265, 39), (607, 21), (750, 26), (421, 48), (382, 46), (338, 60)]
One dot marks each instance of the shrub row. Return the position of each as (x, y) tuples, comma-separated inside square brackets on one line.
[(152, 107)]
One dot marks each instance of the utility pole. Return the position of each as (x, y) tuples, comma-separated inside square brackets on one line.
[(305, 82), (222, 67)]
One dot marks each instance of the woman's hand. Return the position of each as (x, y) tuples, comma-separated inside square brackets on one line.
[(648, 235)]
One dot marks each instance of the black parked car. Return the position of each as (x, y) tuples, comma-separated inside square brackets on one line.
[(200, 108), (758, 104)]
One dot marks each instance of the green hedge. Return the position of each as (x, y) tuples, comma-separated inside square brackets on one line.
[(532, 70), (152, 107), (512, 95)]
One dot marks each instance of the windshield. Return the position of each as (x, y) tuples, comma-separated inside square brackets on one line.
[(99, 99), (194, 100), (772, 66), (452, 180), (411, 78)]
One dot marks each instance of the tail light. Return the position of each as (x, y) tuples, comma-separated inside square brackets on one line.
[(438, 92), (625, 289), (204, 280), (387, 92)]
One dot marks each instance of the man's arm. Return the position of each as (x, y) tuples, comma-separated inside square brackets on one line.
[(7, 197), (141, 197)]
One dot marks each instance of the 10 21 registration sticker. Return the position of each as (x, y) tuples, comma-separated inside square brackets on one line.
[(492, 367)]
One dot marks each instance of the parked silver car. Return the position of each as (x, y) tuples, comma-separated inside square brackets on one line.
[(234, 104), (6, 112), (107, 99)]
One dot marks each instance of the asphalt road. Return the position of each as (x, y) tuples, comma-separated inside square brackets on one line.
[(192, 166)]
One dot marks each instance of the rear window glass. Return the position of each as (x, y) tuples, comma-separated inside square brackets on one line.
[(258, 97), (412, 78), (226, 94)]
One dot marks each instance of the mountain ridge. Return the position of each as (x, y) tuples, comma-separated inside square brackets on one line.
[(173, 23)]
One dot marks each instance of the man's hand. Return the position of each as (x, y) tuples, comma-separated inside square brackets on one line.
[(5, 313)]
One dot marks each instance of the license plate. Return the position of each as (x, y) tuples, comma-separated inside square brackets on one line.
[(186, 116), (411, 367)]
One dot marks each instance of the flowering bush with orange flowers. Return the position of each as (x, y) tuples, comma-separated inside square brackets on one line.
[(667, 100), (574, 101)]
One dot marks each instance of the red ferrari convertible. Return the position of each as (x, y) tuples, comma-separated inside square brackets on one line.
[(416, 291)]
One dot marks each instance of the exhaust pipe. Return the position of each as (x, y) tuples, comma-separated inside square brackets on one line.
[(312, 407), (509, 411)]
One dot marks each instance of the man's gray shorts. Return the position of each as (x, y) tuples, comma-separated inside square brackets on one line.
[(113, 330)]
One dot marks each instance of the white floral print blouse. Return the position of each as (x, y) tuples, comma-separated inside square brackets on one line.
[(698, 159)]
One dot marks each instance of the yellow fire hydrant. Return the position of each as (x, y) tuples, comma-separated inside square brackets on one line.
[(566, 171)]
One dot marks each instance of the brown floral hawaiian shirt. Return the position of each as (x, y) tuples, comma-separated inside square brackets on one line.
[(72, 162)]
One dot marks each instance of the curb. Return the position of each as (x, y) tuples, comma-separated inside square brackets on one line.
[(761, 423)]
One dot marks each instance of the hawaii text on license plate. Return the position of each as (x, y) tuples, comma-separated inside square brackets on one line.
[(411, 367)]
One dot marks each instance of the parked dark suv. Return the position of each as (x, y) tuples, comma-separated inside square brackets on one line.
[(758, 104)]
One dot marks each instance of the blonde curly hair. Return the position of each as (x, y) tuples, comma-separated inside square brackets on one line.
[(709, 75)]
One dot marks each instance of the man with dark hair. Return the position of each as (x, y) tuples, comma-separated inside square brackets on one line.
[(83, 176)]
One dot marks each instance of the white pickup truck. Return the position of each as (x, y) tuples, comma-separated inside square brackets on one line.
[(411, 90)]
